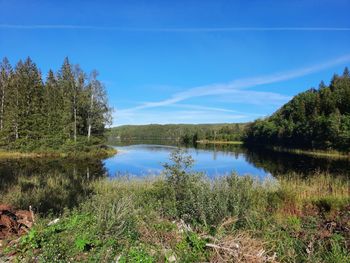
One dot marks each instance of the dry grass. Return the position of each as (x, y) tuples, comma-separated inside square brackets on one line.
[(317, 186), (315, 153), (219, 142), (239, 248)]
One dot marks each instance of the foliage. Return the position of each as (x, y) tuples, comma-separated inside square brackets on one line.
[(315, 119), (176, 216), (181, 133), (67, 108)]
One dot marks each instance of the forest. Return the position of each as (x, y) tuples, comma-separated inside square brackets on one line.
[(316, 119), (181, 133), (67, 110)]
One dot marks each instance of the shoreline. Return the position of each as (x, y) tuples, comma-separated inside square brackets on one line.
[(219, 142), (105, 153), (314, 153)]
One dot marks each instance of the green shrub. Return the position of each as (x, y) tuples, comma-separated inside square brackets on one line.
[(137, 254), (192, 248), (140, 220)]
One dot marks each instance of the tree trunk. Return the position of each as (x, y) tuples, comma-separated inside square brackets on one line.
[(16, 123), (90, 113), (2, 107), (75, 118)]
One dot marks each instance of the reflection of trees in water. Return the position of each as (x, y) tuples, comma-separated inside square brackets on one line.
[(164, 145), (164, 142), (281, 163), (47, 184), (233, 151)]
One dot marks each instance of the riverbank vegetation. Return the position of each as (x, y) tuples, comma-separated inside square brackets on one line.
[(179, 133), (183, 216), (65, 113), (333, 154), (316, 119), (217, 142)]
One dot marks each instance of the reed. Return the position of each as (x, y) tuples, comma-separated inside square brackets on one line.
[(187, 216)]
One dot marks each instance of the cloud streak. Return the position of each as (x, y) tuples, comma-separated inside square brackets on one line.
[(168, 29), (237, 86), (194, 116)]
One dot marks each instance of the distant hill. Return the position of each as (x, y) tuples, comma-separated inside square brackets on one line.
[(184, 133), (315, 119)]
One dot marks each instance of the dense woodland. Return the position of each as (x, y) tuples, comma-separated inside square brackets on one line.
[(315, 119), (69, 108), (182, 133)]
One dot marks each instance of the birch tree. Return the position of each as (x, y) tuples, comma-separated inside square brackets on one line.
[(99, 113)]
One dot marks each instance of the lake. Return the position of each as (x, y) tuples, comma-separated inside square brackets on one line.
[(218, 160), (49, 185), (148, 159)]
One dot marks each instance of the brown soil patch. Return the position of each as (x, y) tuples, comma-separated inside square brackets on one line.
[(14, 222)]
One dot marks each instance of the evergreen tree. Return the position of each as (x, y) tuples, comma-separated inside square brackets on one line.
[(67, 86), (5, 80), (313, 119), (35, 114)]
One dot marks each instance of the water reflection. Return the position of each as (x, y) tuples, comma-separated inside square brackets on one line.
[(216, 160), (144, 159), (47, 185), (52, 184), (281, 163)]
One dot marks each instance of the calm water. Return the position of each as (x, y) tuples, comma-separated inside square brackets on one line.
[(143, 159), (51, 184)]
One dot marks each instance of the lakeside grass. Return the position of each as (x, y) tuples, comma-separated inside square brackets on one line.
[(314, 153), (94, 153), (219, 142), (184, 216)]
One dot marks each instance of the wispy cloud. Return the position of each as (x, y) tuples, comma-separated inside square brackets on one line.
[(178, 116), (170, 29), (212, 109), (237, 86)]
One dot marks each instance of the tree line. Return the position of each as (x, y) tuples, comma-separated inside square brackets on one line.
[(69, 107), (181, 133), (315, 119)]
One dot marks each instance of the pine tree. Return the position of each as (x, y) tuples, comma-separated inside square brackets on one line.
[(5, 76), (67, 83), (35, 114), (315, 118), (53, 102)]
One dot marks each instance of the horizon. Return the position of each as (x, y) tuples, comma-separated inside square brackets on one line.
[(187, 62)]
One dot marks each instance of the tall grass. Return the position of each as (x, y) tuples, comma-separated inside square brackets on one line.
[(47, 193), (316, 186), (186, 216)]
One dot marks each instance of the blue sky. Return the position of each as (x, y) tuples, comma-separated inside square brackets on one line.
[(186, 61)]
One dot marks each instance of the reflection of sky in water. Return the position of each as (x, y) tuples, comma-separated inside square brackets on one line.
[(148, 159)]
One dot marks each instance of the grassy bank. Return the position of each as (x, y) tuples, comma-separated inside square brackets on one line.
[(185, 217), (315, 153), (219, 142), (82, 147), (98, 152)]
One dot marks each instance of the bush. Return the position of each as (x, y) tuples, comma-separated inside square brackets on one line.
[(176, 215)]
